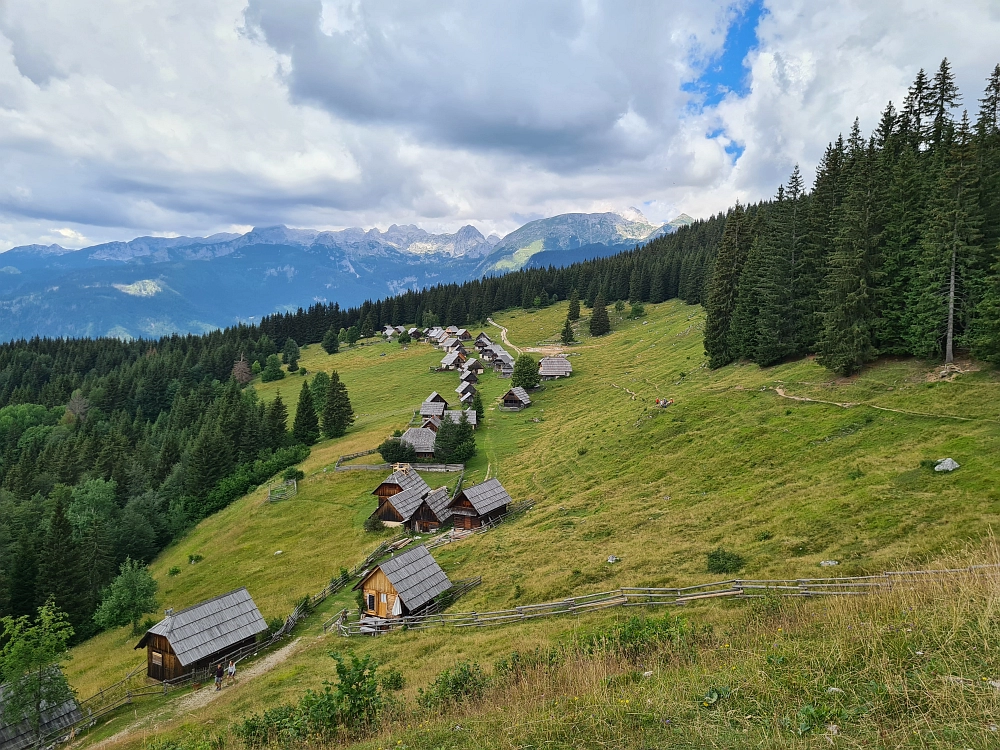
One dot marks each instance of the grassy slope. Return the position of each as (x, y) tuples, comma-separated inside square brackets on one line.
[(785, 483)]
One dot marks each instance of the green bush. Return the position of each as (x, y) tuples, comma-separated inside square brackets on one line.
[(463, 683), (192, 559), (392, 680), (374, 524), (174, 571), (723, 561), (395, 451), (293, 473)]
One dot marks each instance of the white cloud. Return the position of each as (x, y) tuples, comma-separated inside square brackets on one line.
[(120, 118)]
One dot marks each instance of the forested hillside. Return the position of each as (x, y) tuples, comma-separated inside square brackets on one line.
[(895, 250), (111, 449)]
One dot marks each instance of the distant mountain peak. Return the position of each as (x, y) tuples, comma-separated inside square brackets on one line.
[(682, 220), (632, 214)]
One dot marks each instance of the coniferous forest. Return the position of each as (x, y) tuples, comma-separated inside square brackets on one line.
[(110, 449)]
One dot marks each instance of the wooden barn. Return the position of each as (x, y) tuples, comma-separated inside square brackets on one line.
[(551, 368), (403, 478), (431, 423), (432, 513), (470, 415), (467, 399), (397, 510), (452, 360), (479, 504), (469, 377), (515, 399), (200, 635), (474, 367), (464, 387), (402, 585), (422, 440), (482, 341), (54, 721), (433, 406)]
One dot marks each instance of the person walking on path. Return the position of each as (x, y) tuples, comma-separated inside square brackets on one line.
[(218, 677), (231, 672)]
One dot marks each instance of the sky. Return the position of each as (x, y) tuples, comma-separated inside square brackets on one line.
[(122, 118)]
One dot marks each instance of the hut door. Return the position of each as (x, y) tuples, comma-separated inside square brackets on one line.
[(156, 665), (383, 605)]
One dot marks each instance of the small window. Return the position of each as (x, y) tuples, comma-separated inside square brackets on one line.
[(384, 599), (157, 659), (371, 601)]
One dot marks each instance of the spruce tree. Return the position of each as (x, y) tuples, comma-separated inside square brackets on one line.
[(276, 423), (305, 428), (574, 305), (600, 323), (290, 352), (319, 385), (477, 406), (367, 327), (847, 340), (947, 275), (724, 288), (60, 574), (567, 333), (338, 415), (331, 341)]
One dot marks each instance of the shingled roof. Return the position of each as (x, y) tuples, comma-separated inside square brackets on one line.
[(416, 577), (439, 503), (432, 408), (405, 479), (519, 393), (22, 735), (435, 396), (212, 626), (470, 414), (407, 501), (450, 359), (421, 438), (554, 367), (485, 497)]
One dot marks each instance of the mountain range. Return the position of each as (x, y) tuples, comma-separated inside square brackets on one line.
[(154, 286)]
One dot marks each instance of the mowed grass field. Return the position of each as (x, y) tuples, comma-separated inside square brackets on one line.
[(784, 483)]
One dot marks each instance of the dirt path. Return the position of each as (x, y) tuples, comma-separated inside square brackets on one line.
[(201, 698), (503, 335), (781, 392)]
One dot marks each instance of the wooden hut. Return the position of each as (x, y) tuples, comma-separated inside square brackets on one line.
[(467, 399), (433, 406), (515, 399), (431, 423), (54, 721), (402, 585), (482, 341), (469, 377), (403, 478), (464, 387), (436, 397), (551, 368), (422, 440), (474, 366), (452, 360), (432, 513), (201, 635), (397, 509), (463, 335), (479, 504)]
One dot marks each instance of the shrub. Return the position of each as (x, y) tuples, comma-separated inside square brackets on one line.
[(192, 559), (293, 473), (637, 311), (395, 451), (404, 338), (392, 680), (374, 524), (723, 561), (465, 682), (174, 571)]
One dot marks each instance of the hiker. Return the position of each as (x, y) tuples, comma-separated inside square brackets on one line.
[(231, 672), (218, 677)]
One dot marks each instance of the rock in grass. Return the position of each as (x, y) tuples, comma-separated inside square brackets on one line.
[(829, 563), (946, 464)]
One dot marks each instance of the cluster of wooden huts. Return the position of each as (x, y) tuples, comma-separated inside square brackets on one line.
[(433, 411), (406, 583)]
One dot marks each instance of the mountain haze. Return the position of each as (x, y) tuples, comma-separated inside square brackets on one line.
[(154, 286)]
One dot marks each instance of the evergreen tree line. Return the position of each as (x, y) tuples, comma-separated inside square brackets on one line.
[(894, 251)]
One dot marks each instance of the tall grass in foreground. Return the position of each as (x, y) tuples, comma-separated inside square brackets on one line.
[(914, 666)]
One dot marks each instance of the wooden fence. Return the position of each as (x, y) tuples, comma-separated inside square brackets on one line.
[(282, 490), (456, 535), (634, 596), (438, 468)]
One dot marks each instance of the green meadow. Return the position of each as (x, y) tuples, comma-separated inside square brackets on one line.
[(784, 483)]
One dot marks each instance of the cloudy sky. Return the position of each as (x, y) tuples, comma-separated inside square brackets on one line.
[(127, 117)]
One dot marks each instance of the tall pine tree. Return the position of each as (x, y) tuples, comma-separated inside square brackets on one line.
[(338, 413), (305, 428)]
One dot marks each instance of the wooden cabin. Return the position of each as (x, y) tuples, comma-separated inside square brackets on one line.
[(464, 387), (551, 368), (402, 585), (463, 335), (201, 635), (54, 719), (482, 341), (433, 406), (436, 397), (474, 366), (452, 360), (397, 509), (432, 513), (422, 440), (467, 399), (479, 504), (515, 399), (431, 423), (403, 478), (469, 377)]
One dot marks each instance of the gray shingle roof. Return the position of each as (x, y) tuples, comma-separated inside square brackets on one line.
[(519, 393), (439, 503), (435, 396), (21, 735), (432, 409), (485, 497), (468, 397), (554, 366), (405, 480), (470, 414), (470, 377), (407, 501), (416, 577), (421, 438), (450, 359), (506, 359), (472, 363), (465, 386), (209, 627), (450, 341)]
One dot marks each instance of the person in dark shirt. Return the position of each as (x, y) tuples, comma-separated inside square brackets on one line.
[(218, 677)]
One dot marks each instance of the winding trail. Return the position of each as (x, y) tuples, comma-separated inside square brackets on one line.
[(503, 335), (200, 698), (847, 405)]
